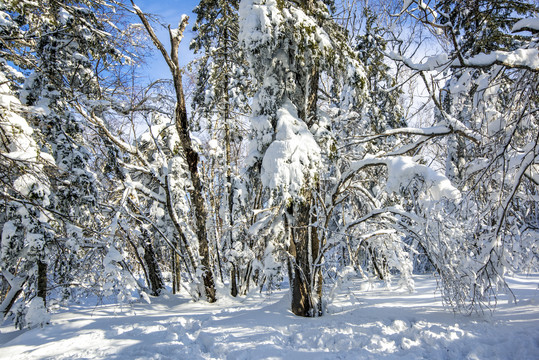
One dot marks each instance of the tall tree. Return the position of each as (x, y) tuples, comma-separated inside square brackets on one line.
[(489, 103), (192, 157), (289, 46), (57, 44), (221, 100)]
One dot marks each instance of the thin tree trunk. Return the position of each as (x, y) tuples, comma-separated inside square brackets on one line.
[(191, 156), (139, 259), (176, 269), (233, 283)]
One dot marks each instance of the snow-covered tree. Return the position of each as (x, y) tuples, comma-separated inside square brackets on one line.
[(59, 47), (188, 150), (26, 193), (489, 104), (220, 103), (290, 46), (359, 116)]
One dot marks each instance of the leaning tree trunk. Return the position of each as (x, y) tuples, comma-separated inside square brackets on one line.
[(155, 277), (15, 289), (191, 156)]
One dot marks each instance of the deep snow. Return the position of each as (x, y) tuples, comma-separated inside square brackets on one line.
[(365, 321)]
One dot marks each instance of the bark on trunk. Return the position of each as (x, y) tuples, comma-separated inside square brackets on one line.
[(15, 289), (233, 283), (139, 259), (154, 273), (176, 274), (233, 272), (191, 156), (42, 281), (305, 275)]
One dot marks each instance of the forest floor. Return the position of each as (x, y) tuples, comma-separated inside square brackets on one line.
[(364, 321)]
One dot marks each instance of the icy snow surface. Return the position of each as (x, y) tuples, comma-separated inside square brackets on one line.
[(365, 321)]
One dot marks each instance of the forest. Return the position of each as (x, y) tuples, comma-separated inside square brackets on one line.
[(307, 142)]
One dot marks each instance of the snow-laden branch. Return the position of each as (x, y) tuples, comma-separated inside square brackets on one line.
[(429, 131), (432, 63), (530, 24), (527, 59), (135, 185), (402, 170)]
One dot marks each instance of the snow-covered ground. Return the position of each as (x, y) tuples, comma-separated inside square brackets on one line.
[(364, 322)]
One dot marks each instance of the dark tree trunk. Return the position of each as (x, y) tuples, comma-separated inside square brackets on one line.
[(42, 281), (154, 272), (230, 194), (192, 157), (233, 283), (139, 259), (305, 275), (305, 272)]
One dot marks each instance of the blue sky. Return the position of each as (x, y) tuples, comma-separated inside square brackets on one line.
[(170, 12)]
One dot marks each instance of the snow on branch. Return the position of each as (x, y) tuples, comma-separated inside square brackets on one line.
[(402, 170), (530, 24), (135, 185), (432, 63), (432, 131), (521, 58)]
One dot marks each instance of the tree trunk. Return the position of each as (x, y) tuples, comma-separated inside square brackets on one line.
[(154, 273), (139, 259), (176, 274), (42, 281), (15, 289), (230, 194), (305, 276), (233, 283), (191, 156)]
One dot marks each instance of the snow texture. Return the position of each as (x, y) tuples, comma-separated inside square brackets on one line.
[(402, 171), (526, 24), (365, 321), (521, 57), (293, 154)]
